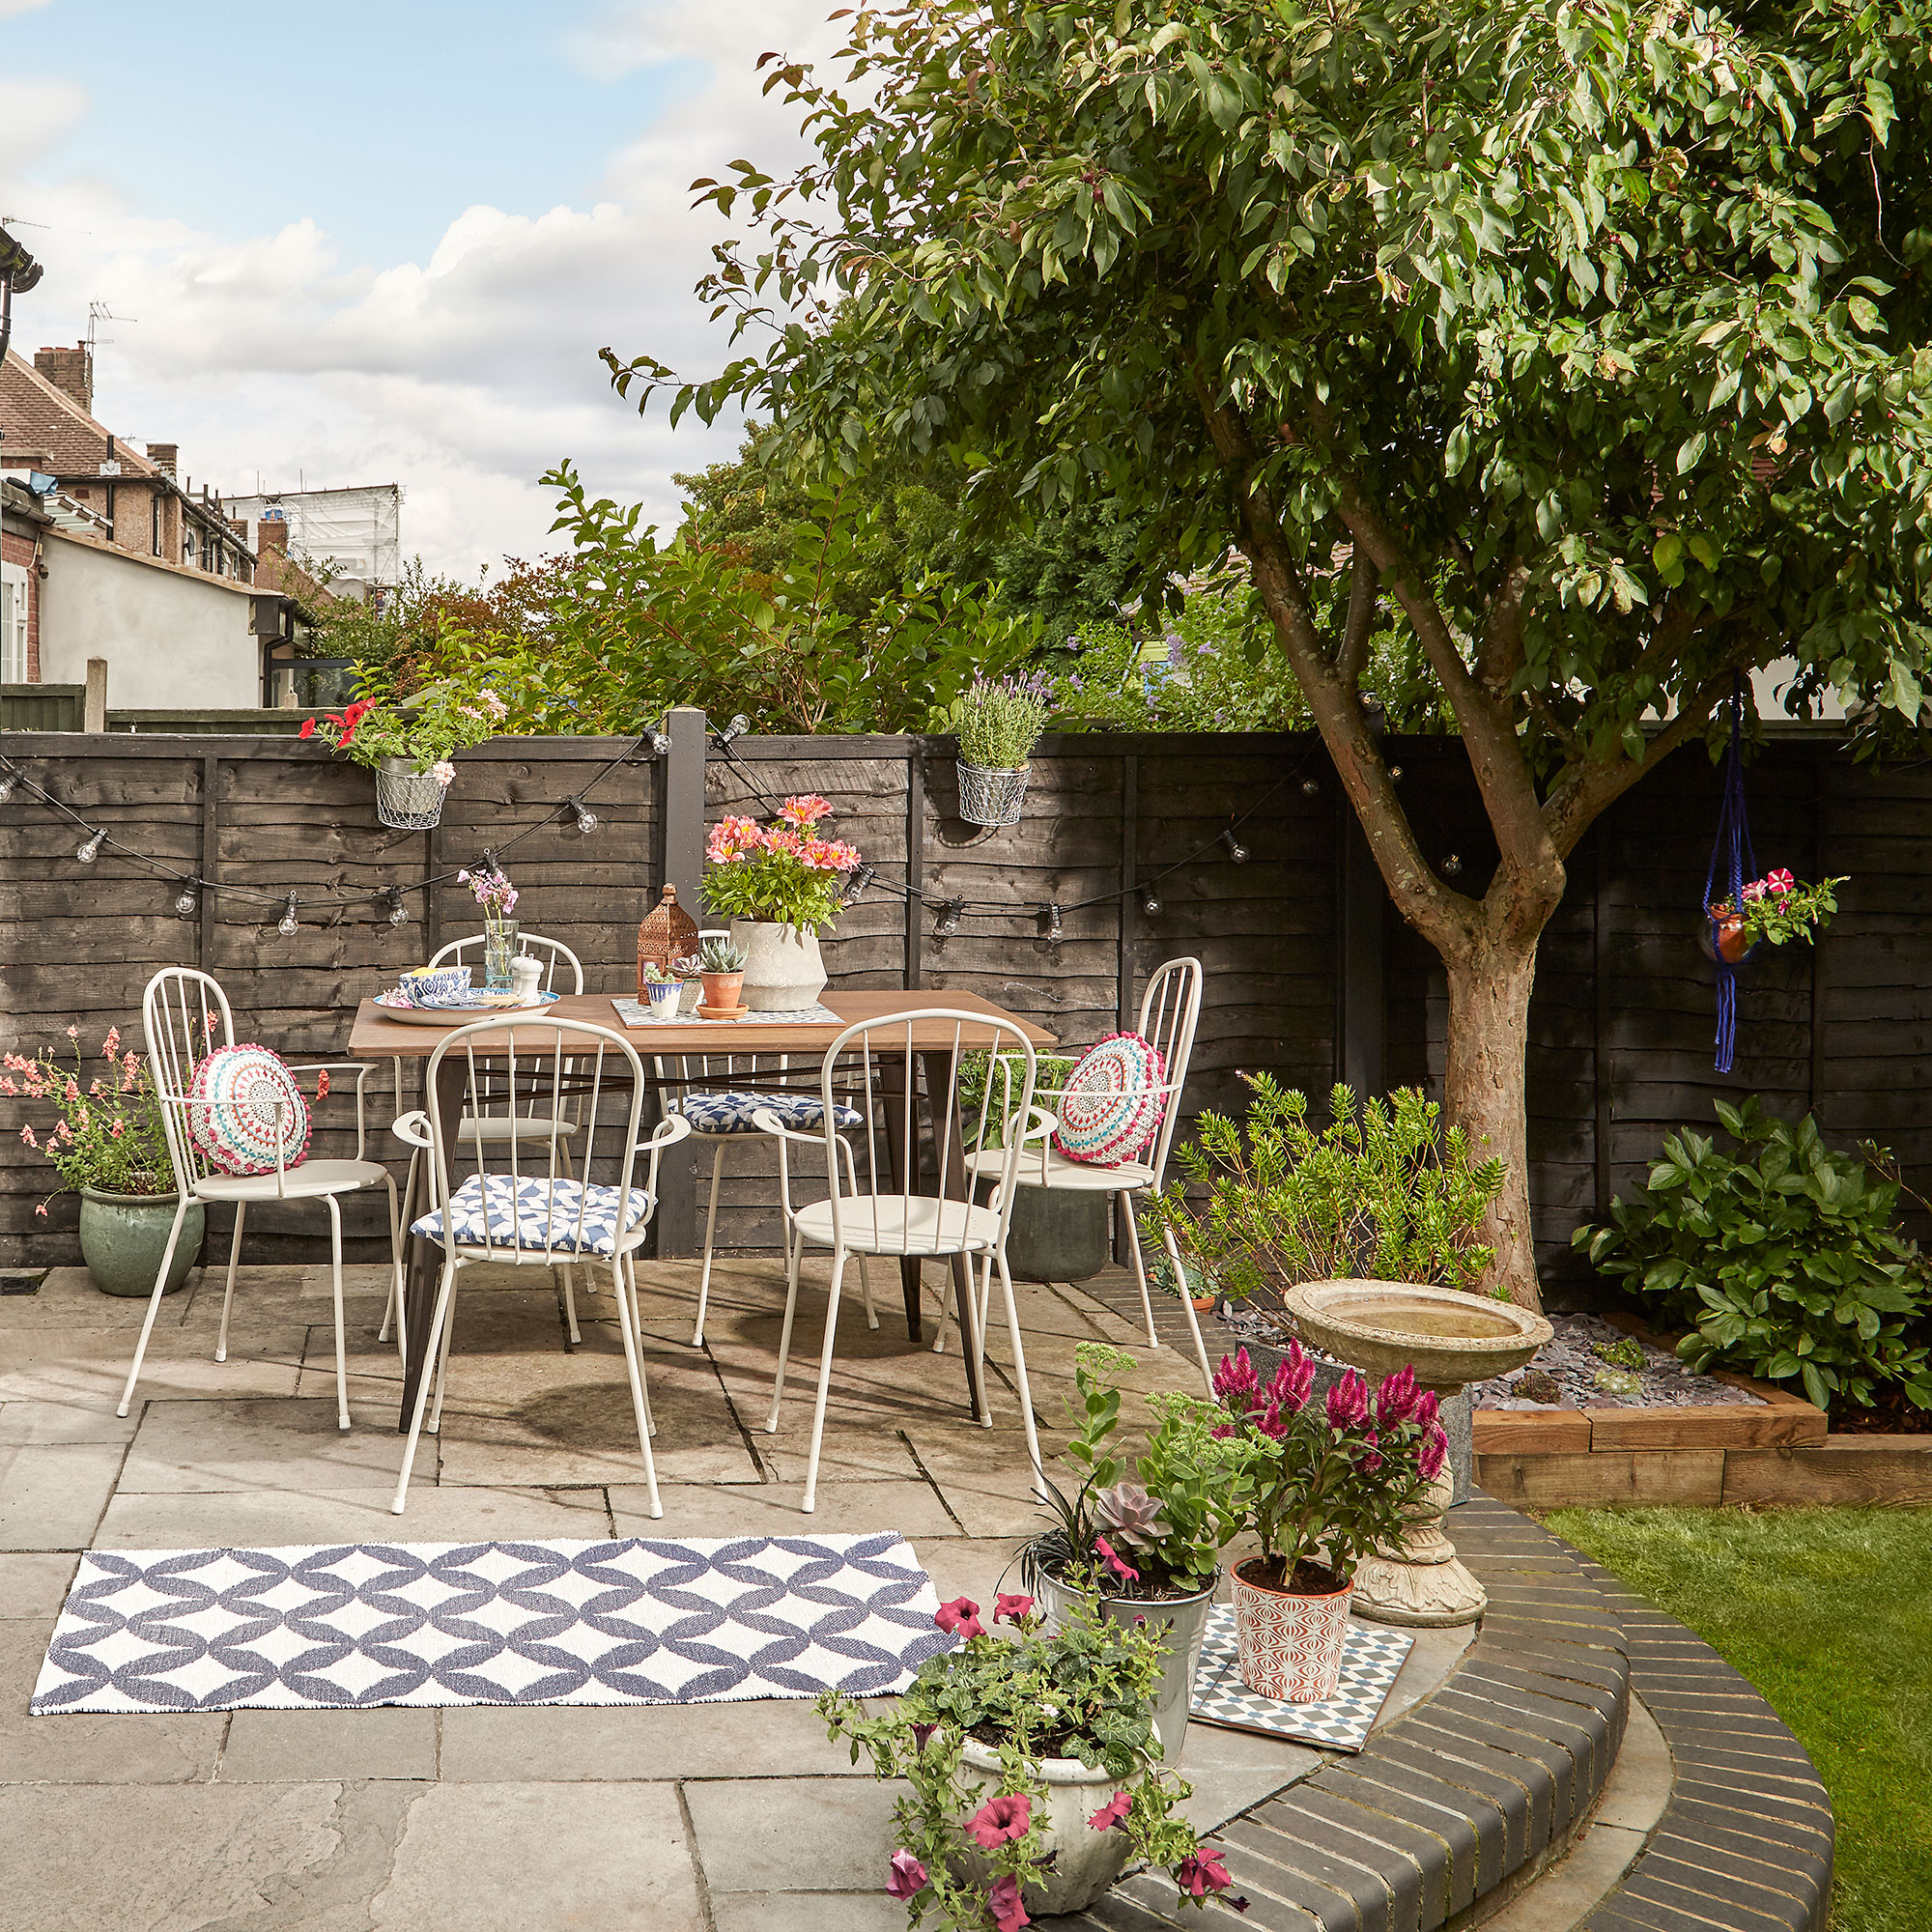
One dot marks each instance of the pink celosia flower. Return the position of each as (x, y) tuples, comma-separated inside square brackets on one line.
[(1111, 1813), (1201, 1872), (1010, 1608), (1348, 1402), (1000, 1820), (961, 1617), (1270, 1421), (908, 1876), (1434, 1446), (1395, 1399), (1002, 1900), (1236, 1382), (1114, 1561), (1293, 1378)]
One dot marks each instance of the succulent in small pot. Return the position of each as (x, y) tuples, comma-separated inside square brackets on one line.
[(662, 988), (1032, 1770), (1322, 1482), (721, 965)]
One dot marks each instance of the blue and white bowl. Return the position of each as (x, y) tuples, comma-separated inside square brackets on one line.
[(436, 985)]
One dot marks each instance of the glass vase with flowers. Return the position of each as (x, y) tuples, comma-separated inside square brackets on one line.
[(778, 884), (497, 897)]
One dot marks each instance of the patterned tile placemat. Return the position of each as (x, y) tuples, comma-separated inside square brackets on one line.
[(628, 1620), (633, 1013), (1371, 1658)]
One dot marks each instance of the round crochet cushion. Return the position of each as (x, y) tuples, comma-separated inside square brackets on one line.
[(1112, 1104), (237, 1129)]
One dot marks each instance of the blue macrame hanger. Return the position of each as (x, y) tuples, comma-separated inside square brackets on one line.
[(1732, 859)]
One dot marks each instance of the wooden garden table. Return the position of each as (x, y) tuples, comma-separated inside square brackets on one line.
[(373, 1034)]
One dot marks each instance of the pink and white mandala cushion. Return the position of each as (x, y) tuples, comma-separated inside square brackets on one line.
[(1112, 1103), (239, 1126)]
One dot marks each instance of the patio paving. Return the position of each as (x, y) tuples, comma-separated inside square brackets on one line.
[(717, 1818)]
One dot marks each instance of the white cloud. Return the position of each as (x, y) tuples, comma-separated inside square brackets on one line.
[(463, 377)]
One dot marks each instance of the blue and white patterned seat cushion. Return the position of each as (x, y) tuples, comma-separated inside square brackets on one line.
[(537, 1214), (732, 1113)]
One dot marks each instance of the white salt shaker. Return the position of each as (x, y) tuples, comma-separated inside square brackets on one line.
[(526, 977)]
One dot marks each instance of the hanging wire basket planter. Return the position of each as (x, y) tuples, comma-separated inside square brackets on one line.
[(991, 796), (407, 800)]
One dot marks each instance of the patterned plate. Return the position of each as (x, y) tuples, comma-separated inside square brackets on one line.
[(397, 1008)]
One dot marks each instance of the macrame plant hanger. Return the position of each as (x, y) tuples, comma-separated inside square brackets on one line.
[(1732, 861)]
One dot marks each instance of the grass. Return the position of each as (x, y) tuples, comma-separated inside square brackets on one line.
[(1829, 1612)]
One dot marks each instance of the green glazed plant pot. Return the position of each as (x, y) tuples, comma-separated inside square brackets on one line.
[(122, 1238)]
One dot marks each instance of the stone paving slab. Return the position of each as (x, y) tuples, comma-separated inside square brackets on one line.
[(298, 1747), (52, 1494)]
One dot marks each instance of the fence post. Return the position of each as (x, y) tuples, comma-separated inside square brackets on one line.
[(915, 866), (94, 712), (681, 864)]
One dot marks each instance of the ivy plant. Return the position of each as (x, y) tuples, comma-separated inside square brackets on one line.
[(1781, 1260)]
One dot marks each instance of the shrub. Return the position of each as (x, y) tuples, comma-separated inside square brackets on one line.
[(1781, 1260)]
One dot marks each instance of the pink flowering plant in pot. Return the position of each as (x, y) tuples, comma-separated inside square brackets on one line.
[(1322, 1482), (1032, 1771), (785, 873)]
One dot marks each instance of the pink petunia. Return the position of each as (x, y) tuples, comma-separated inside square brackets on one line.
[(1111, 1813), (1000, 1820), (961, 1617), (1754, 891), (1010, 1608), (1115, 1562), (1201, 1872), (1003, 1899), (908, 1877), (1781, 882)]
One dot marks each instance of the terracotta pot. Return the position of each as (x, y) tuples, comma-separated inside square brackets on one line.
[(722, 989), (1289, 1645), (1721, 936)]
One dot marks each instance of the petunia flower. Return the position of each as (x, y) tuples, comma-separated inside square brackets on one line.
[(1003, 1899), (1111, 1813), (308, 729), (1202, 1871), (1000, 1820), (1008, 1608), (1781, 882), (908, 1876), (1114, 1561), (961, 1617), (919, 1734)]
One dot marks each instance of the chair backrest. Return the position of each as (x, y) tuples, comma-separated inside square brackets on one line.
[(868, 1045), (1169, 1012), (181, 1012), (502, 1059), (560, 960)]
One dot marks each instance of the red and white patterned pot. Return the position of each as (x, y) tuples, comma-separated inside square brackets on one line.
[(1291, 1646)]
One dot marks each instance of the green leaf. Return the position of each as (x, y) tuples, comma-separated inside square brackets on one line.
[(1689, 452)]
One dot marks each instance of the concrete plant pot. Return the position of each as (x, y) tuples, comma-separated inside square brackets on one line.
[(122, 1238), (783, 972), (1085, 1862)]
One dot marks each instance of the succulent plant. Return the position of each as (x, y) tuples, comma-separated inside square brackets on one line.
[(721, 956)]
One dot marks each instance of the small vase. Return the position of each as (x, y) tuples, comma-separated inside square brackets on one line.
[(1721, 936), (500, 950), (1290, 1644), (665, 996), (783, 970)]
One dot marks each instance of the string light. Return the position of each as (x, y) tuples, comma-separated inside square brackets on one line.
[(862, 877), (949, 915), (7, 780), (1237, 851), (731, 732), (587, 819), (288, 925), (1451, 866), (1310, 787), (1151, 902), (1054, 934), (1395, 773), (659, 742), (188, 901), (398, 911), (91, 851)]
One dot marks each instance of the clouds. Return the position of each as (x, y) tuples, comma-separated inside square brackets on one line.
[(462, 375)]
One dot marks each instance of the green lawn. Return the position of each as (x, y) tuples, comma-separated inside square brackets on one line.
[(1829, 1612)]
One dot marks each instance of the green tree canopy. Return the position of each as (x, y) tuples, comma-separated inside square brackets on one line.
[(1588, 341)]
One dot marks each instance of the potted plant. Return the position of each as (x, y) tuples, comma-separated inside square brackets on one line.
[(496, 898), (720, 966), (109, 1146), (997, 723), (1772, 911), (1321, 1481), (1032, 1771), (778, 886), (663, 989), (407, 743), (1141, 1536)]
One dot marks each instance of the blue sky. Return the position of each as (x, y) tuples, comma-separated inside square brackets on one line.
[(383, 243)]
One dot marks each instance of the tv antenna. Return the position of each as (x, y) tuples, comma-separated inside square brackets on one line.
[(98, 312)]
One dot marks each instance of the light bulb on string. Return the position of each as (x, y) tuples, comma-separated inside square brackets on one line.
[(1452, 864), (1151, 902), (862, 877), (399, 913), (1237, 851), (737, 728), (659, 743), (288, 925), (1310, 786), (1054, 932), (587, 819), (1395, 774), (7, 780), (948, 918), (91, 851), (188, 901)]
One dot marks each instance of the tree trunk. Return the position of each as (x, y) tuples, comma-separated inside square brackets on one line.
[(1490, 983)]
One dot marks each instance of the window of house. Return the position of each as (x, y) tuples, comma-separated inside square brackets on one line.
[(154, 508), (13, 623)]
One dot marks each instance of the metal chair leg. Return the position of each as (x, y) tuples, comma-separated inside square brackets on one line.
[(710, 1243), (638, 1322), (1140, 1269), (441, 1362), (811, 1502), (866, 1293), (153, 1304), (431, 1347), (393, 1308), (639, 1403), (228, 1293), (1020, 1377), (335, 1281), (795, 1257), (1187, 1309)]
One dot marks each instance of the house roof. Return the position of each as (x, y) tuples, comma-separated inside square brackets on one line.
[(135, 560)]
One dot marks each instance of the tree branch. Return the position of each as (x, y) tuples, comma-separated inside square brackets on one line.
[(1352, 657), (1500, 655)]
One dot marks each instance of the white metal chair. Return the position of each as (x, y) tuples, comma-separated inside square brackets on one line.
[(1169, 1012), (533, 1216), (541, 1122), (903, 1222), (716, 1095), (181, 1011)]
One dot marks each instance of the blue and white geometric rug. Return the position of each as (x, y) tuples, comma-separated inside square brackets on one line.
[(1372, 1659), (632, 1620)]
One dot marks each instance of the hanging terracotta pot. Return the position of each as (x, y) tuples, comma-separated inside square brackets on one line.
[(1720, 935)]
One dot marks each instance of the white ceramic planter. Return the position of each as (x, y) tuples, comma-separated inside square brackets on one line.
[(1088, 1861), (1291, 1646), (783, 972)]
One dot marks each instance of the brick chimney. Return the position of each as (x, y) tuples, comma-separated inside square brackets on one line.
[(70, 370), (272, 534), (164, 456)]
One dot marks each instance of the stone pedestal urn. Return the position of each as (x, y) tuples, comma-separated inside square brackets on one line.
[(1450, 1339)]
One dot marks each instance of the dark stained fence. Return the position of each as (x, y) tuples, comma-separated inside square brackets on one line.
[(1310, 973)]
